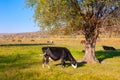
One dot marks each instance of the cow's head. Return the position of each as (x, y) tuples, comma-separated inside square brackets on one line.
[(74, 64)]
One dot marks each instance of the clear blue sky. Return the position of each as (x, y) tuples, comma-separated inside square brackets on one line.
[(15, 18)]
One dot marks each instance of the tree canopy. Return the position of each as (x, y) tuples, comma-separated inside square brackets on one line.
[(51, 14), (85, 15)]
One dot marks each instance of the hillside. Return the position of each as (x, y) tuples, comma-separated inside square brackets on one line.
[(39, 34)]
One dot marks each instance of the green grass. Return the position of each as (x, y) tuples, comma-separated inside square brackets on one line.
[(24, 63)]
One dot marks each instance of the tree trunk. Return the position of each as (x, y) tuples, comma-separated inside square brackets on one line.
[(91, 31), (90, 51)]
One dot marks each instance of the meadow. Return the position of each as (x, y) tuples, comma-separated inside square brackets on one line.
[(22, 61)]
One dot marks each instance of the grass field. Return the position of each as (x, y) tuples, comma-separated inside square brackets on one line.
[(23, 62)]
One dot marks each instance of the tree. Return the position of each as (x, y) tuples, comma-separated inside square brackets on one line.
[(85, 15)]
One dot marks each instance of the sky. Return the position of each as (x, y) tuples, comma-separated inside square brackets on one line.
[(15, 18)]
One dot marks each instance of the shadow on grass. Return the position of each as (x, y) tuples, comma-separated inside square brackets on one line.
[(25, 44), (79, 64), (20, 61), (66, 64), (102, 55)]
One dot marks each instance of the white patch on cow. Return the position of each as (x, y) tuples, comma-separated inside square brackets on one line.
[(50, 59), (74, 66)]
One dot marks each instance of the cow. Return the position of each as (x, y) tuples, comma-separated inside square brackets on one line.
[(32, 40), (109, 48), (13, 40), (19, 40), (82, 42), (57, 53), (50, 42)]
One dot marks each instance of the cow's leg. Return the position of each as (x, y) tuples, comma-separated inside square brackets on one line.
[(47, 61), (43, 61), (63, 58), (63, 62)]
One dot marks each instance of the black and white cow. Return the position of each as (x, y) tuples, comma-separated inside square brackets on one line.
[(57, 53), (109, 48)]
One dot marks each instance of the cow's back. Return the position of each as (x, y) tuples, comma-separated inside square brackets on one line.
[(54, 52)]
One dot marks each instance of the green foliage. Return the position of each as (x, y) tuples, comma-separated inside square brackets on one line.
[(50, 14)]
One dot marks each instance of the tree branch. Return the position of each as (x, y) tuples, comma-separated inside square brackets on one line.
[(76, 5)]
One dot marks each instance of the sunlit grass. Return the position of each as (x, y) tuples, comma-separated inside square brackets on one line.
[(24, 63)]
